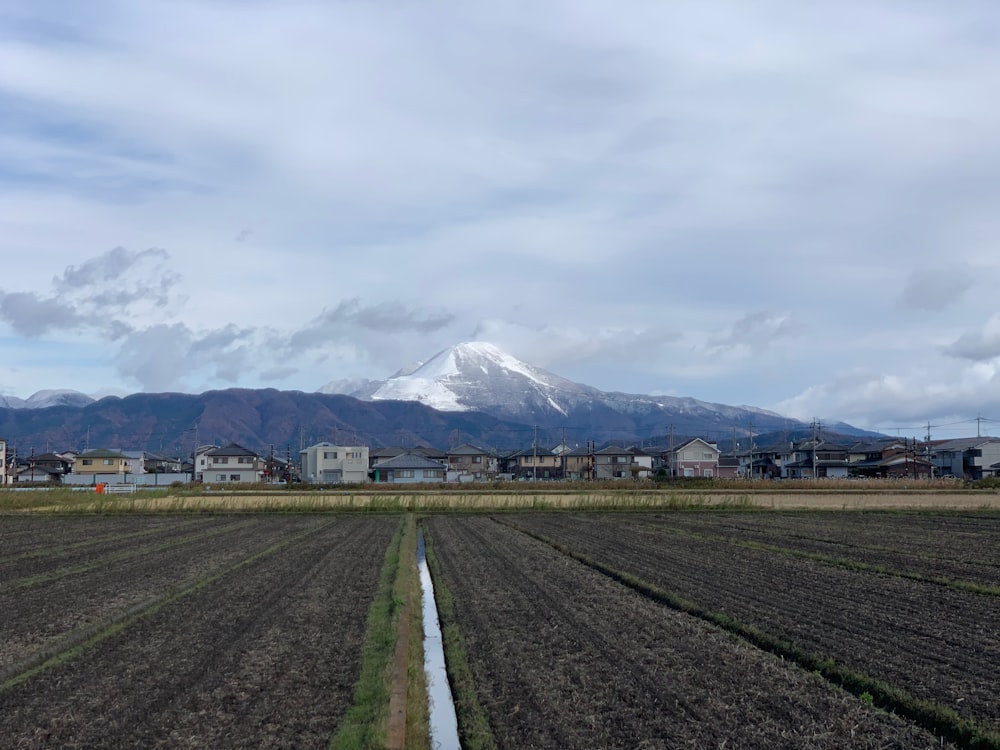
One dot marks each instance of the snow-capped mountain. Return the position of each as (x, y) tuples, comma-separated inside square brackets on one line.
[(45, 399), (478, 376)]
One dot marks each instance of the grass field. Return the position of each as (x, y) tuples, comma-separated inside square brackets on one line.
[(827, 495)]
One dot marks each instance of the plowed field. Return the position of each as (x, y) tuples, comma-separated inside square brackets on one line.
[(178, 632), (904, 600), (562, 656)]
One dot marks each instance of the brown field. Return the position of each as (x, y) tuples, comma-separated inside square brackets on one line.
[(518, 498), (625, 619), (562, 656), (230, 632)]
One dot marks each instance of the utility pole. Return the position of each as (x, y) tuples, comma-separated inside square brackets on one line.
[(534, 456), (750, 467), (670, 443), (927, 451), (815, 427), (562, 453)]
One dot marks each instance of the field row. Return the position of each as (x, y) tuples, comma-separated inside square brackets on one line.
[(640, 629), (229, 632), (560, 655)]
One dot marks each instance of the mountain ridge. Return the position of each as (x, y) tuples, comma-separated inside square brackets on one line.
[(499, 402)]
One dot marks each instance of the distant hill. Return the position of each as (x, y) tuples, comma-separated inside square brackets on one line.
[(257, 418), (478, 376), (472, 392)]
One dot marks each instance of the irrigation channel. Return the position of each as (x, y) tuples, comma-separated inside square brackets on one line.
[(441, 708)]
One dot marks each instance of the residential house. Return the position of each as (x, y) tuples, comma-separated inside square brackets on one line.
[(695, 458), (729, 466), (470, 463), (136, 461), (966, 458), (232, 464), (34, 474), (58, 464), (201, 462), (864, 458), (4, 477), (905, 464), (535, 463), (377, 455), (156, 464), (409, 468), (815, 459), (113, 465), (889, 458), (326, 463), (613, 462), (577, 463), (642, 463)]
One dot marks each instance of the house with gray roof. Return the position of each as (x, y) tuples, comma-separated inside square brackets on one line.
[(966, 458), (232, 464), (409, 468)]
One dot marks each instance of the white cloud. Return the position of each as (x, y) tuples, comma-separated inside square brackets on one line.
[(731, 201)]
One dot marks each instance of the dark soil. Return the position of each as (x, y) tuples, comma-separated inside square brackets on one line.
[(563, 657), (38, 618), (265, 656), (956, 547), (934, 642)]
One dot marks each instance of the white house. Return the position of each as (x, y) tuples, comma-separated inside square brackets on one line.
[(3, 462), (325, 463), (408, 468), (232, 464)]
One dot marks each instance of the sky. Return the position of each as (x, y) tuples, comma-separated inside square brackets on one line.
[(788, 205)]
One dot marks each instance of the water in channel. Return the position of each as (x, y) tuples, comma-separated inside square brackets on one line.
[(443, 723)]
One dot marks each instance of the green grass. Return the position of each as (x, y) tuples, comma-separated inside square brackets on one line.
[(364, 724)]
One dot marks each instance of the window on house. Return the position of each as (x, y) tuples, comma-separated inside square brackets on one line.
[(706, 456), (108, 462), (244, 460), (404, 473), (432, 473), (477, 459), (330, 454), (234, 477), (355, 455), (621, 459), (709, 473), (220, 477), (88, 462), (222, 459)]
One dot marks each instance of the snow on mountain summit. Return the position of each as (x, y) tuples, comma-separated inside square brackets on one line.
[(475, 375), (46, 398), (479, 376)]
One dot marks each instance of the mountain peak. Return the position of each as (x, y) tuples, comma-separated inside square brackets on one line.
[(465, 359), (478, 375)]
